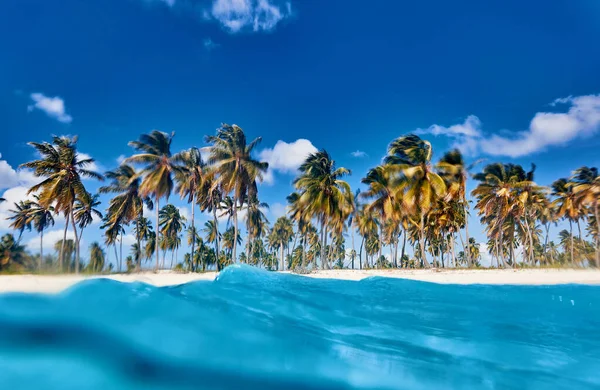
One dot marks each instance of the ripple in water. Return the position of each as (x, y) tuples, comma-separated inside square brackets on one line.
[(252, 329)]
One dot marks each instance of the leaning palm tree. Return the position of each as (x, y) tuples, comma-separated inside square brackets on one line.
[(62, 171), (158, 169), (42, 218), (323, 193), (419, 185), (128, 204), (190, 180), (236, 169)]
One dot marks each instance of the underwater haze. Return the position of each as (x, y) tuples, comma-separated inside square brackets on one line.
[(251, 329)]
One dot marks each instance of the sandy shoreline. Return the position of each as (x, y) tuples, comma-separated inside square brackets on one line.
[(57, 283)]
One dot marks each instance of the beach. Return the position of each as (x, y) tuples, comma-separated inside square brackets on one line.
[(57, 283)]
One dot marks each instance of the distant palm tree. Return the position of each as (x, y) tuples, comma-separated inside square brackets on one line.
[(143, 230), (85, 210), (231, 158), (586, 186), (62, 171), (96, 263), (323, 193), (158, 168), (113, 233), (20, 218), (210, 197), (42, 218), (420, 187), (171, 223), (128, 204), (282, 235), (190, 180), (12, 254), (567, 206)]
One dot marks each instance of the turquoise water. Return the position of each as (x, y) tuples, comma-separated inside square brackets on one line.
[(256, 330)]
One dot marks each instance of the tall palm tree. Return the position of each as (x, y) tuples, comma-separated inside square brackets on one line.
[(453, 169), (85, 210), (62, 170), (236, 169), (323, 193), (256, 220), (171, 223), (159, 166), (211, 234), (282, 235), (587, 189), (210, 198), (142, 229), (42, 218), (567, 206), (190, 180), (367, 224), (419, 186), (113, 233)]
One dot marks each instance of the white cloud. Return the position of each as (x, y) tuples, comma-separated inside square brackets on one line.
[(54, 107), (255, 15), (209, 44), (278, 210), (546, 129), (10, 177), (51, 237), (359, 154), (286, 157)]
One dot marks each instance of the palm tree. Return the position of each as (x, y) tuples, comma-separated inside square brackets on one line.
[(171, 223), (62, 171), (282, 235), (367, 225), (12, 254), (113, 230), (587, 189), (128, 204), (21, 219), (419, 186), (323, 193), (85, 210), (41, 218), (236, 169), (143, 230), (566, 203), (256, 220), (96, 263), (190, 180), (158, 168)]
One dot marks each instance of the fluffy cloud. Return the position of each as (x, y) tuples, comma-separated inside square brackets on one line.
[(10, 177), (286, 157), (95, 167), (51, 237), (255, 15), (546, 129), (359, 154), (54, 107)]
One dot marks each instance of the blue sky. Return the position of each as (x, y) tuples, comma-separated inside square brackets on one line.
[(347, 76)]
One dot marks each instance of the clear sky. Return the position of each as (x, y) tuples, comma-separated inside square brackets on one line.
[(505, 80)]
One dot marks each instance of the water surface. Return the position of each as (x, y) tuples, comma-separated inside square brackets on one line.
[(251, 329)]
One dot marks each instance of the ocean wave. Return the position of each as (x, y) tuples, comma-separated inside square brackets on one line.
[(251, 329)]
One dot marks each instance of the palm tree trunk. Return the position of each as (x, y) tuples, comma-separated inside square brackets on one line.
[(579, 228), (216, 221), (547, 227), (424, 261), (530, 238), (193, 229), (76, 241), (323, 235), (62, 245), (467, 253), (571, 232), (403, 248), (235, 231), (41, 250), (326, 257), (282, 260), (360, 253), (121, 252), (501, 246), (116, 256), (157, 233)]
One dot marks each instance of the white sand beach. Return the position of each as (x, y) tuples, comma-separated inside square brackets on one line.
[(57, 283)]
